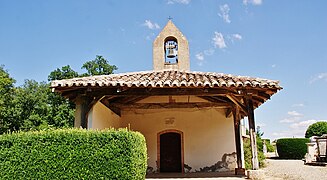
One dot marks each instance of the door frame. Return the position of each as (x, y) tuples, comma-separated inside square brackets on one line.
[(182, 146)]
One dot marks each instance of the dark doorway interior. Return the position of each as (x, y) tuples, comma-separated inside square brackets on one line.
[(170, 152)]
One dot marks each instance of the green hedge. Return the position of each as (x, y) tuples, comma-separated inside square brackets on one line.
[(73, 154), (292, 148)]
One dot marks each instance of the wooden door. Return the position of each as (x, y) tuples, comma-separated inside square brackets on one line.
[(170, 152)]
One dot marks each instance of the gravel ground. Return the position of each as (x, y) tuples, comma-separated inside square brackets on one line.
[(293, 169)]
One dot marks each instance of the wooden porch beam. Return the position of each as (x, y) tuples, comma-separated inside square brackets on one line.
[(127, 100), (258, 99), (237, 102), (169, 105), (148, 92), (95, 100), (264, 95), (228, 112), (114, 109)]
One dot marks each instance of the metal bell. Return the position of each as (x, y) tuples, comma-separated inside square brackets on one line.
[(171, 53)]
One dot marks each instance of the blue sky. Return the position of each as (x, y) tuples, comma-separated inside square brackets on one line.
[(274, 39)]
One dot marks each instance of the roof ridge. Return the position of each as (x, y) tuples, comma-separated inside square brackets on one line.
[(166, 77)]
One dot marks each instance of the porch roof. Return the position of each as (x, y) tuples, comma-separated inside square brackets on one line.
[(167, 79)]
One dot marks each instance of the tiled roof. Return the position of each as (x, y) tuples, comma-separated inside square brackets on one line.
[(167, 78)]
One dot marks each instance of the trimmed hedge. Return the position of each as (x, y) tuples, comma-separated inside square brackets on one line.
[(316, 129), (73, 154), (292, 148)]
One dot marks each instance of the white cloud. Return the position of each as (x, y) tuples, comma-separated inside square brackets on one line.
[(151, 25), (290, 120), (298, 105), (218, 40), (296, 129), (178, 1), (289, 133), (303, 124), (321, 76), (294, 113), (200, 56), (294, 117), (237, 36), (234, 37), (224, 12), (150, 37), (273, 66), (253, 2), (209, 52)]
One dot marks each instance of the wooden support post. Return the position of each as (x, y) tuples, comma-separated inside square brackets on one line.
[(81, 112), (253, 137), (237, 131)]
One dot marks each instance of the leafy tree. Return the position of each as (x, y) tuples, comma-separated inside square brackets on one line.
[(98, 66), (316, 129), (6, 99), (61, 111), (31, 105), (66, 72)]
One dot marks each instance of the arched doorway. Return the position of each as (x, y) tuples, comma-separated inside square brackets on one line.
[(170, 151)]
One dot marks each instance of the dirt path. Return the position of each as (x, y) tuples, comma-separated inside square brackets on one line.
[(293, 169)]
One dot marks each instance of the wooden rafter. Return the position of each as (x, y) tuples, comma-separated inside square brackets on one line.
[(148, 92), (114, 109), (228, 112), (237, 102), (128, 100), (170, 105)]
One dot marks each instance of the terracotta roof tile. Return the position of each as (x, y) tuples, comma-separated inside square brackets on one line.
[(168, 78)]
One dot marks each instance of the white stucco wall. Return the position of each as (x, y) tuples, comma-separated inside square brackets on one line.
[(101, 117), (207, 133)]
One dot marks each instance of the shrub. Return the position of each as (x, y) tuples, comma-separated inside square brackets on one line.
[(292, 148), (73, 154), (270, 147), (248, 153), (316, 129)]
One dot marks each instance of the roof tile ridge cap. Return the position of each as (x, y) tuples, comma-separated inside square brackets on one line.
[(131, 73), (70, 79), (206, 73)]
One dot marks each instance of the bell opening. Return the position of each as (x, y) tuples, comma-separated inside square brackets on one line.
[(171, 50)]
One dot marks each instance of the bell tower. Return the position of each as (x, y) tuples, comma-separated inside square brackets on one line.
[(170, 49)]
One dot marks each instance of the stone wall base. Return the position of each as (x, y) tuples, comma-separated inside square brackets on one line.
[(256, 174)]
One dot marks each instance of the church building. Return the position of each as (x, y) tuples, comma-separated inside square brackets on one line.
[(190, 120)]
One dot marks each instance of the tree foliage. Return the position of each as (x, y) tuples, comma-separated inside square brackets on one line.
[(66, 72), (248, 152), (98, 66), (316, 129), (33, 106), (6, 99)]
